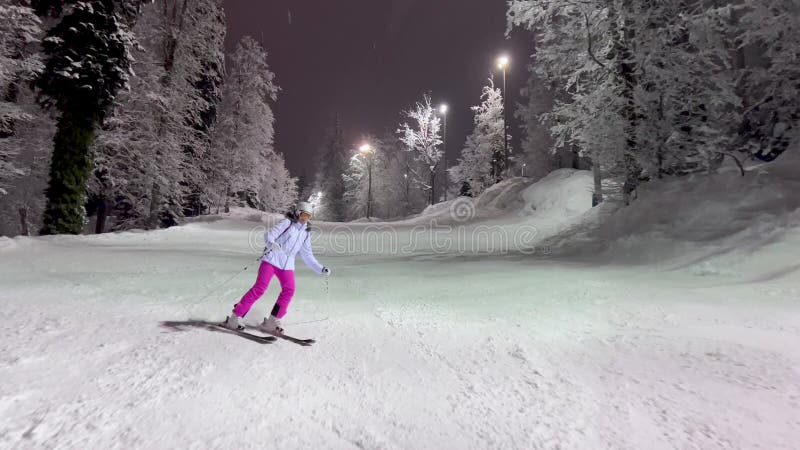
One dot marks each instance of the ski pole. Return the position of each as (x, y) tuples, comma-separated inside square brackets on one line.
[(229, 280)]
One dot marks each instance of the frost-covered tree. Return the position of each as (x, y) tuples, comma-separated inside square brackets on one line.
[(364, 180), (481, 162), (21, 208), (357, 178), (86, 62), (539, 153), (423, 139), (567, 35), (646, 87), (243, 147), (391, 190), (280, 191), (333, 162), (685, 92), (206, 53), (771, 113), (397, 195), (152, 152), (20, 33)]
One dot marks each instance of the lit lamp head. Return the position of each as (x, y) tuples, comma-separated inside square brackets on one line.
[(502, 62), (443, 109), (365, 149)]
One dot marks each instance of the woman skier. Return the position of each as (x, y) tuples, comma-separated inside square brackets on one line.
[(290, 236)]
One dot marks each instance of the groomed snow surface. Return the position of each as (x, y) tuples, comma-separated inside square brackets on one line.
[(674, 323)]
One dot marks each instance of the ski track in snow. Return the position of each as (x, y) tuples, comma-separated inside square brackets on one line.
[(410, 353)]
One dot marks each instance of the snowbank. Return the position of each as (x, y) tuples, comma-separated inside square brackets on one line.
[(702, 223), (564, 193), (563, 196)]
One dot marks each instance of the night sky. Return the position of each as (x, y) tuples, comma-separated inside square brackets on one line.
[(368, 60)]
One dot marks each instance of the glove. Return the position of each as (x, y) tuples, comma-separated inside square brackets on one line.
[(274, 247), (326, 271)]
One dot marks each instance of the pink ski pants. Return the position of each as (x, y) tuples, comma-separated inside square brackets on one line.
[(265, 272)]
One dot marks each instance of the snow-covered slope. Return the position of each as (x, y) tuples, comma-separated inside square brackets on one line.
[(616, 343)]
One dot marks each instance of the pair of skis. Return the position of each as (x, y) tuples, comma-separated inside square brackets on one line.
[(261, 339), (267, 339)]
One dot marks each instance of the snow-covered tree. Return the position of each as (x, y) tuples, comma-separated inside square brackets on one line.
[(539, 154), (244, 137), (771, 111), (391, 189), (357, 178), (280, 191), (207, 57), (22, 207), (20, 33), (567, 35), (333, 162), (685, 96), (86, 63), (645, 86), (423, 139), (153, 151), (481, 162), (398, 195)]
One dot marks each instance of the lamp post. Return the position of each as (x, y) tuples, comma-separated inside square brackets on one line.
[(367, 151), (443, 111), (502, 64), (405, 181)]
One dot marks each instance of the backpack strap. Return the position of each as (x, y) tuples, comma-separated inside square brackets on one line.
[(284, 231)]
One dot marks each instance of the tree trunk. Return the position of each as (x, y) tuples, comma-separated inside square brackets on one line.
[(153, 218), (597, 196), (432, 198), (626, 72), (102, 215), (23, 221)]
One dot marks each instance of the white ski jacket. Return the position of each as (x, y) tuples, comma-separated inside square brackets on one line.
[(291, 238)]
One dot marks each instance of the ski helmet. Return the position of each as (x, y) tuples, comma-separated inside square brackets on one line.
[(305, 207)]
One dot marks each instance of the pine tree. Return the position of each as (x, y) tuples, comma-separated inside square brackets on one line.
[(329, 183), (280, 191), (86, 63), (244, 137)]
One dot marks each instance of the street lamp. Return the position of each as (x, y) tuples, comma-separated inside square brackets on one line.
[(443, 111), (367, 151), (502, 64)]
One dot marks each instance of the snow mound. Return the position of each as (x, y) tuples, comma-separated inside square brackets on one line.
[(563, 193), (706, 224), (500, 199)]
